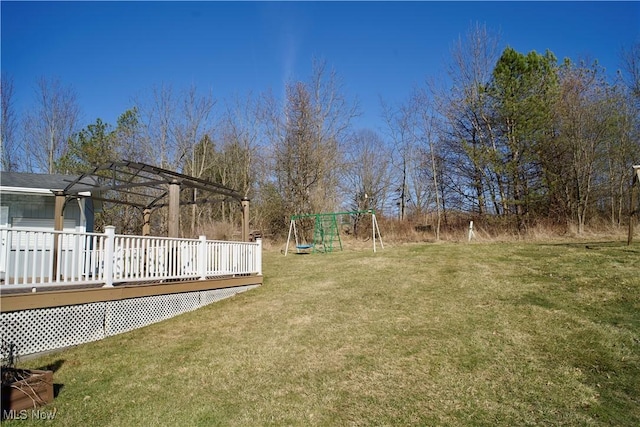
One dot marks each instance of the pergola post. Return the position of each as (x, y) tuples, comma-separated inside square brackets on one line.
[(245, 219), (58, 225), (146, 222), (174, 209), (58, 222)]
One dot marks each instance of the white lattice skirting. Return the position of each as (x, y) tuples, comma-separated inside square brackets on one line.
[(44, 329)]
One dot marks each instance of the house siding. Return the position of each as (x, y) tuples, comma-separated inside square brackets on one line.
[(37, 206)]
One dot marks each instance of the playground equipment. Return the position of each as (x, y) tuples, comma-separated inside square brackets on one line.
[(326, 232)]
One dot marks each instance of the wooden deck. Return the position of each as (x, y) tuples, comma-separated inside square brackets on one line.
[(20, 299), (41, 269), (59, 289)]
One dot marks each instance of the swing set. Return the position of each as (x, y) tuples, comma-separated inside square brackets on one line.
[(326, 232)]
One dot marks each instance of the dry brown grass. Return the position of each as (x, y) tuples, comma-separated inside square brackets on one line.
[(219, 230)]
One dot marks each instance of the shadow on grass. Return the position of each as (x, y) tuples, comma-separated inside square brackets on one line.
[(614, 244), (55, 366), (536, 299), (592, 245)]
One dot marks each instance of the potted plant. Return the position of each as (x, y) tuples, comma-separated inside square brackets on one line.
[(23, 388)]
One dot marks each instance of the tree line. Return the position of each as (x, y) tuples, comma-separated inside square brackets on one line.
[(515, 139)]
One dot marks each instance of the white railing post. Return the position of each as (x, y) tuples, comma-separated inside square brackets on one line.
[(202, 257), (5, 252), (259, 257), (110, 237), (225, 249)]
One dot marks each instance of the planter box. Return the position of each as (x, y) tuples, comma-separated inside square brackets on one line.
[(32, 388)]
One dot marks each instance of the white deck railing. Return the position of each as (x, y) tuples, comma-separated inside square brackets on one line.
[(34, 259)]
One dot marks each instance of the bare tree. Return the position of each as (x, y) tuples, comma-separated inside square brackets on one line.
[(625, 146), (172, 128), (622, 149), (307, 141), (583, 124), (193, 119), (631, 70), (408, 157), (427, 127), (228, 156), (298, 158), (240, 149), (332, 114), (8, 125), (367, 171), (193, 122), (399, 127), (157, 115), (274, 205), (467, 129), (51, 123)]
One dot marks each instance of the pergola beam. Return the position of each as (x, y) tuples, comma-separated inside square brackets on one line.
[(161, 184)]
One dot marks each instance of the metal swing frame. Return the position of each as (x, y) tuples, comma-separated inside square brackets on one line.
[(324, 239)]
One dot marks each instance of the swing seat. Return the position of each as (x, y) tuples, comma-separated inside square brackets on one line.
[(303, 247)]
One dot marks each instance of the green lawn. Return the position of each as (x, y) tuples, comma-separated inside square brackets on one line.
[(423, 334)]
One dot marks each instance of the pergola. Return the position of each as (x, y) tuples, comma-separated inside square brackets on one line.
[(148, 188)]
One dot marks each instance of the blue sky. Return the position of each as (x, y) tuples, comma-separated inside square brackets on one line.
[(111, 52)]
